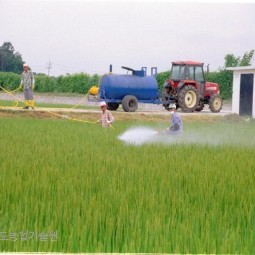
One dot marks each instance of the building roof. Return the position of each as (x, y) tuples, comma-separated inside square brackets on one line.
[(187, 63), (240, 68)]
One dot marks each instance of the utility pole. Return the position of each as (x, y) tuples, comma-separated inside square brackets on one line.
[(207, 68), (49, 67), (2, 59)]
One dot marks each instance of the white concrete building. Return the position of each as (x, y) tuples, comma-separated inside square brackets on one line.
[(243, 96)]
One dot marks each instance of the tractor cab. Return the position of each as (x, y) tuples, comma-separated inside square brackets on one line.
[(187, 71)]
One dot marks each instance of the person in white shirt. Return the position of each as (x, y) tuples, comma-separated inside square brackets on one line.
[(106, 118)]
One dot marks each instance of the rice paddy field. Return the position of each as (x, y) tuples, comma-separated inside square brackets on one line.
[(74, 187)]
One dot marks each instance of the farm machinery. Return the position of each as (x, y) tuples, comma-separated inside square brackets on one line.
[(186, 88), (189, 90)]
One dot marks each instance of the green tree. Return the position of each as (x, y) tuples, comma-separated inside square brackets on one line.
[(10, 61), (161, 78), (247, 58), (231, 60)]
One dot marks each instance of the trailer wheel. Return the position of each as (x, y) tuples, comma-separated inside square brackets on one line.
[(112, 106), (129, 103), (188, 99), (215, 103)]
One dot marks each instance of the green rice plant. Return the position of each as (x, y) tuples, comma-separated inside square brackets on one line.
[(101, 195)]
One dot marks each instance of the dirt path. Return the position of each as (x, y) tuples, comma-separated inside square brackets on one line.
[(145, 112), (75, 99)]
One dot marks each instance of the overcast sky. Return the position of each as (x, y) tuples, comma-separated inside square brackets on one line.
[(87, 36)]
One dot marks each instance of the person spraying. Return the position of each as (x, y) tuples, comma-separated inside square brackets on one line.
[(176, 126), (106, 118)]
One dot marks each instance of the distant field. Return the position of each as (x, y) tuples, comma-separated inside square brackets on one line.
[(73, 187)]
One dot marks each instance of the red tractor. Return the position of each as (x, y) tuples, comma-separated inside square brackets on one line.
[(188, 88)]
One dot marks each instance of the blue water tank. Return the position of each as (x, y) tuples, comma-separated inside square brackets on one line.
[(114, 86)]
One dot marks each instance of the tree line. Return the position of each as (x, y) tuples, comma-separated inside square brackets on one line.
[(74, 83), (11, 66), (10, 60)]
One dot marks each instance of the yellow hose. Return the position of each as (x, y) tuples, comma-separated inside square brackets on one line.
[(92, 91), (15, 90), (15, 103), (53, 113), (80, 101)]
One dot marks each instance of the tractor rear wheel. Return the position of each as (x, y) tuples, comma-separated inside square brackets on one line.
[(215, 103), (129, 103), (165, 96), (188, 99), (112, 106)]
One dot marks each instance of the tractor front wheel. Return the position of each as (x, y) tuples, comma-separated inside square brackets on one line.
[(188, 99), (129, 103), (215, 103)]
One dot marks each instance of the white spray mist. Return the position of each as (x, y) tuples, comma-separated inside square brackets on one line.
[(201, 136), (138, 135)]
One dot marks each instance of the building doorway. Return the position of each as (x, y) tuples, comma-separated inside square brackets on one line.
[(246, 94)]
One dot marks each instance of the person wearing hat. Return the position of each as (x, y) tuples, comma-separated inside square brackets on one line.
[(28, 84), (176, 121), (106, 118)]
